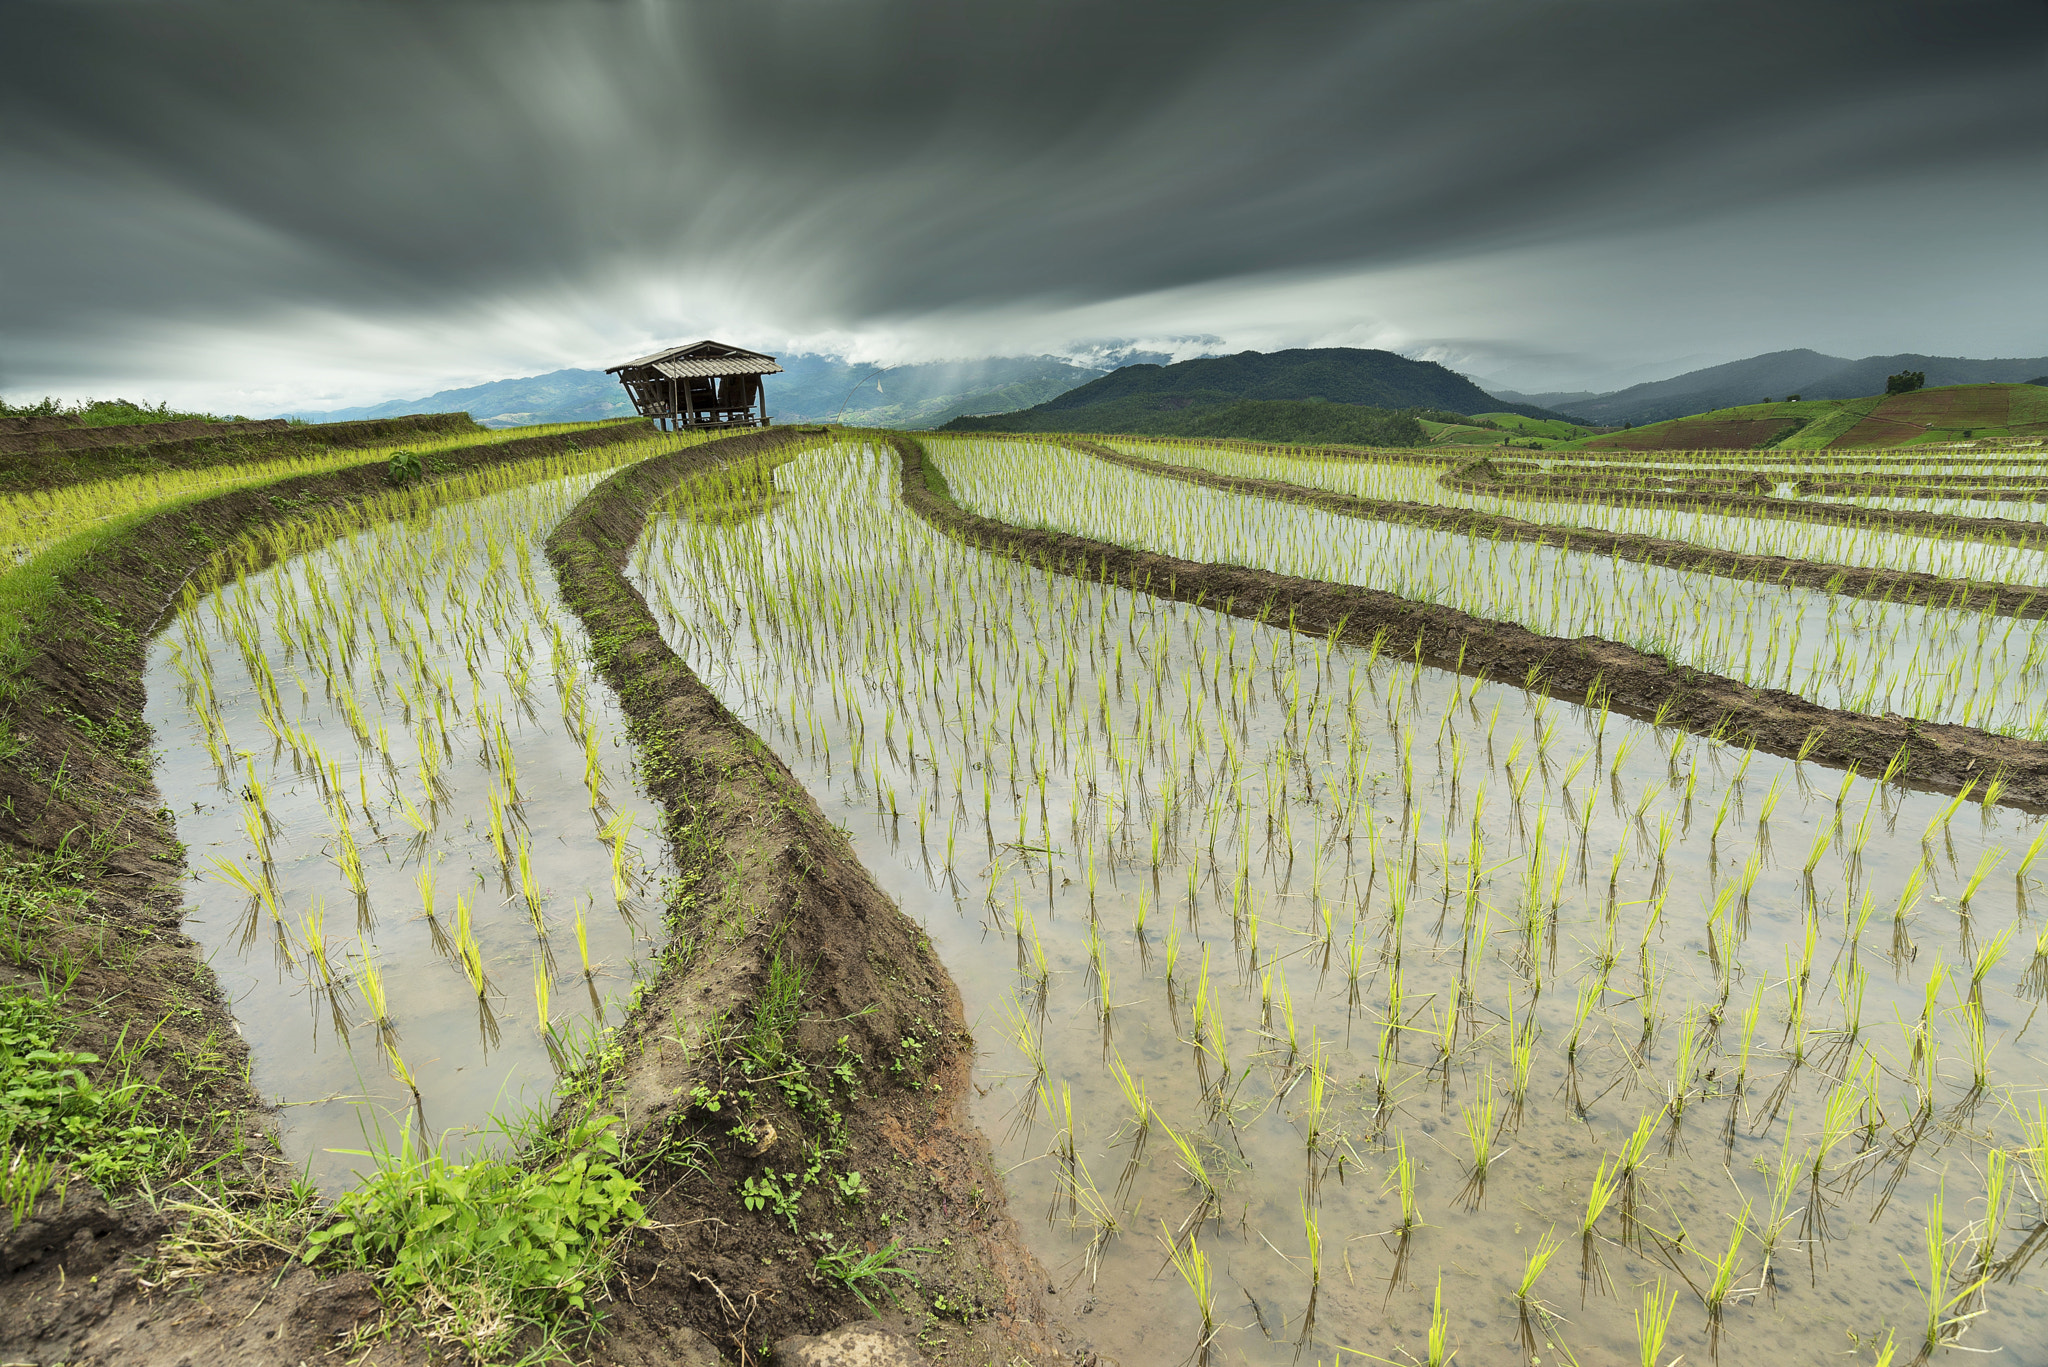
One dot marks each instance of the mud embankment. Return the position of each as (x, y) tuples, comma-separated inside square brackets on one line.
[(1898, 586), (765, 875), (49, 460), (1929, 755), (1474, 478)]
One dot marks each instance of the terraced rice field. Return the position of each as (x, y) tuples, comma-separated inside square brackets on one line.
[(1570, 914), (1333, 1001)]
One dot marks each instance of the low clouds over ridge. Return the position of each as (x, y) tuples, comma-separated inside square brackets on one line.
[(351, 202)]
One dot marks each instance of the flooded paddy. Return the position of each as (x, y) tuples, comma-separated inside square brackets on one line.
[(1858, 654), (1329, 1004), (1616, 511), (421, 866)]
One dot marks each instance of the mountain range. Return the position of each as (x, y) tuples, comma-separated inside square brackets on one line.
[(1048, 392), (1183, 398), (811, 389)]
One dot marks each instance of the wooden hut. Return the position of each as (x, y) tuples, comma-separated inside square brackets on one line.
[(704, 384)]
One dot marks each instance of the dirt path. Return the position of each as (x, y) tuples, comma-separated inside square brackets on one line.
[(1929, 755), (1899, 586)]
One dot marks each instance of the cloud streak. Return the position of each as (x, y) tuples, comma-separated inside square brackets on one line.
[(337, 200)]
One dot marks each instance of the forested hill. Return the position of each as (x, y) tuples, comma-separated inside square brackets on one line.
[(1163, 397)]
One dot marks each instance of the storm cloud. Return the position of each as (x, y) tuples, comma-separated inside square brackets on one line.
[(283, 203)]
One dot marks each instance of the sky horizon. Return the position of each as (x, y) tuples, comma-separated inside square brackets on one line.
[(252, 208)]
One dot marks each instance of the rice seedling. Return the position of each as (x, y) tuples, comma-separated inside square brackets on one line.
[(1653, 1322)]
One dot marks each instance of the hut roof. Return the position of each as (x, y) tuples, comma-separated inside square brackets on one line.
[(701, 360)]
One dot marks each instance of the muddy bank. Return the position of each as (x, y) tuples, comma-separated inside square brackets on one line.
[(1476, 478), (878, 1044), (1898, 586), (2019, 491), (1929, 755), (49, 460), (90, 866)]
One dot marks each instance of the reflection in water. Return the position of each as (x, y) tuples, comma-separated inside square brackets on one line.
[(407, 807), (1309, 982)]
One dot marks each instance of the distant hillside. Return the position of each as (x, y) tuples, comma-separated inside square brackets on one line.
[(1166, 399), (812, 389), (1948, 413), (1780, 374)]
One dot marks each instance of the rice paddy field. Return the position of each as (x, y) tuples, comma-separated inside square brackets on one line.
[(1334, 1004), (1331, 1003)]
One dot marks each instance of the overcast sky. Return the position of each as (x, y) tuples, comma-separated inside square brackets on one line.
[(266, 205)]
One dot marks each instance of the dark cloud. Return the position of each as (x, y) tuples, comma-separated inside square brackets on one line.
[(827, 165)]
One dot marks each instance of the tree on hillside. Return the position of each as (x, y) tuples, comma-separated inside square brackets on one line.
[(1905, 382)]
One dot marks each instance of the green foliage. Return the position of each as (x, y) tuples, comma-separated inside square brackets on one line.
[(862, 1272), (1905, 382), (50, 1109), (778, 1196), (403, 468), (492, 1246), (1291, 421), (107, 412), (768, 1037)]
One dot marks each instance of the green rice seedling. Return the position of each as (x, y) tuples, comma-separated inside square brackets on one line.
[(583, 941), (314, 935), (1403, 1180), (1533, 1264), (1653, 1322), (1440, 1351), (1987, 959), (1722, 1270), (468, 950), (1478, 1125), (1997, 1195), (1784, 1184), (370, 979), (1197, 1172), (529, 886), (543, 990), (1135, 1100), (1977, 1046), (1193, 1265), (1985, 864), (1938, 1324)]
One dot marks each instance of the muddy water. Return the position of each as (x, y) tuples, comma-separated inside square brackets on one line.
[(1756, 536), (1851, 653), (410, 660), (1204, 827)]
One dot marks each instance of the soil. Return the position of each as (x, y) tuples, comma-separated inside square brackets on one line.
[(1720, 435), (69, 438), (1899, 586), (1934, 756), (49, 460), (766, 874), (80, 815), (2017, 492)]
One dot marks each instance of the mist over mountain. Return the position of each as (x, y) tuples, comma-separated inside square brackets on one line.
[(811, 389)]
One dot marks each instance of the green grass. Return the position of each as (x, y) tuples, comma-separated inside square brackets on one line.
[(51, 1112), (107, 412), (478, 1254)]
